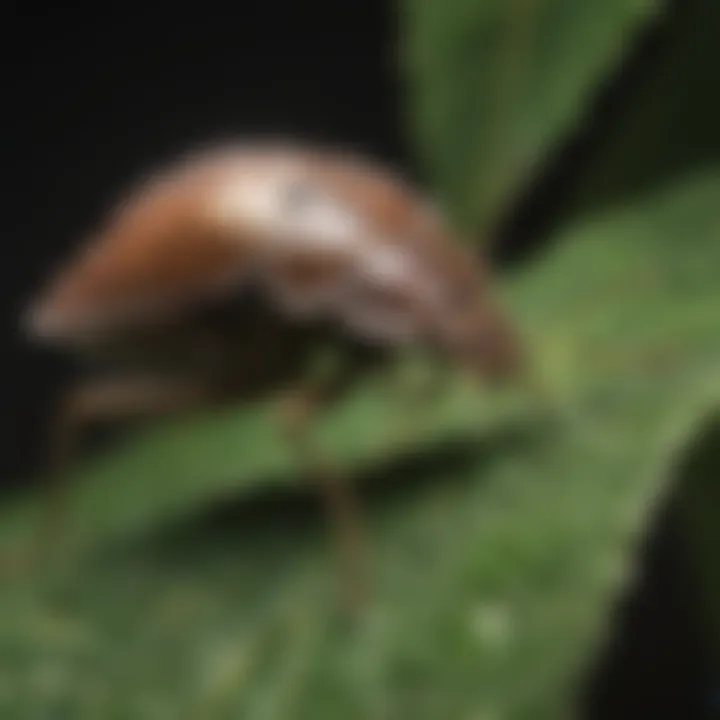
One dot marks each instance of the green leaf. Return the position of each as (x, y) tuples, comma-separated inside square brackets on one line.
[(495, 559), (494, 84), (165, 470)]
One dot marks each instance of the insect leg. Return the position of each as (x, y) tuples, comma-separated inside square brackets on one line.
[(416, 386), (298, 409), (88, 404)]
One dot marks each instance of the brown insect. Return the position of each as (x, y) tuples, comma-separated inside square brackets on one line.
[(221, 277)]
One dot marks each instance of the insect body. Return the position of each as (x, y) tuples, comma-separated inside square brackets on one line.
[(219, 277), (312, 239)]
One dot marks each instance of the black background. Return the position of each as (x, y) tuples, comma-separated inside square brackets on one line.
[(92, 100)]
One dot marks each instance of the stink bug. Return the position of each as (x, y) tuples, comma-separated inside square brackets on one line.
[(217, 279)]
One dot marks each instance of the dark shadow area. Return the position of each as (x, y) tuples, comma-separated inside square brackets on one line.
[(652, 122), (277, 508), (527, 229), (659, 661)]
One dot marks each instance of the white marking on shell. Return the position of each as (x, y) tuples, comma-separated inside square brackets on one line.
[(319, 223), (258, 202), (395, 267), (245, 200), (387, 265)]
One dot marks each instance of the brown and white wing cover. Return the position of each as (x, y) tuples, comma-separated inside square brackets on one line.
[(322, 233)]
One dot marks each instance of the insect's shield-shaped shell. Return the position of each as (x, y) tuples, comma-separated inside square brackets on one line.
[(324, 251), (319, 235), (319, 253), (306, 241), (386, 295)]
